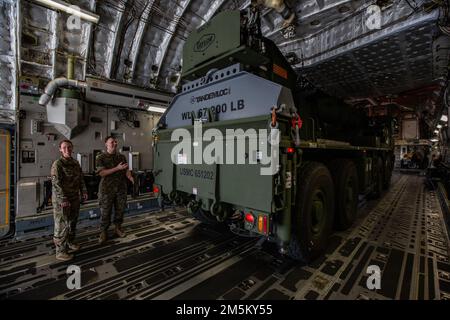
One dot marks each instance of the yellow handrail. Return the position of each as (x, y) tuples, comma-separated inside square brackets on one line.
[(7, 163)]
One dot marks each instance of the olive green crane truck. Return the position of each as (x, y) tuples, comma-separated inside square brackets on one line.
[(288, 163)]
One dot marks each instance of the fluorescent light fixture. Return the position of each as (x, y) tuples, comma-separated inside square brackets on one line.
[(69, 9), (434, 140), (444, 118), (439, 126), (156, 109), (436, 131)]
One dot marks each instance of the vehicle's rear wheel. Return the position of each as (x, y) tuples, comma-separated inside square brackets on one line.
[(346, 190), (313, 217)]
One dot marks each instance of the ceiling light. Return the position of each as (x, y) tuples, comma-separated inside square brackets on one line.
[(444, 118), (70, 9), (439, 126), (156, 109), (436, 131), (434, 140)]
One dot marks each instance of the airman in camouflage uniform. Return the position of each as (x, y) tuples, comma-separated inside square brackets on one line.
[(67, 185), (113, 168)]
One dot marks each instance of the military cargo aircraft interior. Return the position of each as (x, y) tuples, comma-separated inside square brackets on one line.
[(224, 150)]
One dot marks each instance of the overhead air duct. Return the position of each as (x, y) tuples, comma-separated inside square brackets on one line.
[(53, 85), (68, 112)]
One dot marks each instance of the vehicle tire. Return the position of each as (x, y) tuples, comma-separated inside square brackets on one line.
[(387, 170), (346, 190), (378, 187), (314, 211)]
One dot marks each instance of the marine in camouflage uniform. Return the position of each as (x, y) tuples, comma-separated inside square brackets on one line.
[(113, 187), (67, 184)]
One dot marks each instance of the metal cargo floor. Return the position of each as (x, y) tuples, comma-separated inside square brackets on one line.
[(168, 255)]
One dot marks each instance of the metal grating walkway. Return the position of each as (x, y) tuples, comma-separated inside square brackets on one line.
[(167, 255)]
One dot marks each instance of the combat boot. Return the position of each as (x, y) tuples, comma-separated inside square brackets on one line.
[(120, 233), (103, 237), (74, 247), (64, 256)]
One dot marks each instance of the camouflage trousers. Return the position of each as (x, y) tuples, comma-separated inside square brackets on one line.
[(108, 200), (65, 223)]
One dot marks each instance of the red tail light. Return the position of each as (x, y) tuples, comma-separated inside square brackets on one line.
[(250, 218), (265, 224), (290, 150), (155, 189)]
